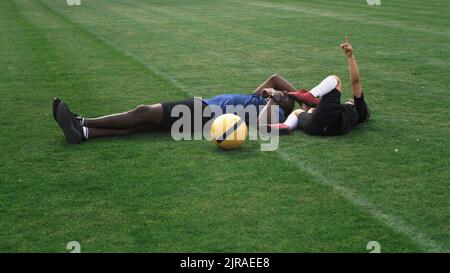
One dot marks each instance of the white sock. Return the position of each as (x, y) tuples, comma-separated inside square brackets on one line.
[(82, 122), (291, 121), (85, 132), (325, 87)]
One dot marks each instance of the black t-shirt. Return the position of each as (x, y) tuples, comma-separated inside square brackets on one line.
[(354, 114), (333, 118)]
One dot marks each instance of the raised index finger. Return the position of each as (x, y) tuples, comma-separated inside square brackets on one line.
[(346, 39)]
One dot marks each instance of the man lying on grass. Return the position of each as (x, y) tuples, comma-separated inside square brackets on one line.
[(158, 116), (330, 118)]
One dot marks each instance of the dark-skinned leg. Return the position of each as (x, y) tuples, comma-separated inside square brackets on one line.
[(276, 82), (143, 114), (102, 132)]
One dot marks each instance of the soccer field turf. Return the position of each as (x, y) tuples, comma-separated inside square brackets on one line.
[(387, 181)]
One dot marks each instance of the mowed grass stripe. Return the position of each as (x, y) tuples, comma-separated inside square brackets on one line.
[(390, 220)]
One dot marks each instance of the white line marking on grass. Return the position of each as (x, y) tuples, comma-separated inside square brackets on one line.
[(152, 68), (358, 200), (129, 54)]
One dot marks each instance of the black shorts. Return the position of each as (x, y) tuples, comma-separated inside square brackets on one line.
[(168, 120), (332, 118)]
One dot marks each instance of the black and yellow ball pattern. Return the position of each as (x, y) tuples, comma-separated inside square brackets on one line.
[(229, 131)]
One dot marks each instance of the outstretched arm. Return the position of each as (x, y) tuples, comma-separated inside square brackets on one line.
[(355, 79)]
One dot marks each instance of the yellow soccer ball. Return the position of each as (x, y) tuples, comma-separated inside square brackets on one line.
[(229, 131)]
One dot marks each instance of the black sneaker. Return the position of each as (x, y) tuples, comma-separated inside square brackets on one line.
[(73, 131), (56, 102)]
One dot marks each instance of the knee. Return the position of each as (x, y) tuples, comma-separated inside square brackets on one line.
[(336, 77), (339, 83), (297, 112), (141, 110)]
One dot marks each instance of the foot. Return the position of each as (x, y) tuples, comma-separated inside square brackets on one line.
[(73, 131), (56, 102), (280, 127), (304, 96)]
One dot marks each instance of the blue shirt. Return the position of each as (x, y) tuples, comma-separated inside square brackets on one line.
[(241, 99)]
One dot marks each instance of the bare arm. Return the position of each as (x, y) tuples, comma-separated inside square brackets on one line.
[(276, 82), (355, 79)]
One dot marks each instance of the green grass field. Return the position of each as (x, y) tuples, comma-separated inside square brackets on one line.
[(149, 193)]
